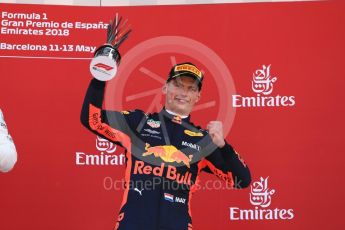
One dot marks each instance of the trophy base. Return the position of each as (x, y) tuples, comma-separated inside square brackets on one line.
[(104, 65), (103, 68)]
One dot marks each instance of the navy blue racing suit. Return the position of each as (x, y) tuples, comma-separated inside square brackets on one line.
[(165, 155)]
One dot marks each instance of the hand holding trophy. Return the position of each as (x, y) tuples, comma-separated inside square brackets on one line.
[(107, 58)]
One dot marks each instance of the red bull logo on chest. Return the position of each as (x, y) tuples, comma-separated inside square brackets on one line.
[(171, 173), (168, 153)]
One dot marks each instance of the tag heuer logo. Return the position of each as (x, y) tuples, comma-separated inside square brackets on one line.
[(153, 123)]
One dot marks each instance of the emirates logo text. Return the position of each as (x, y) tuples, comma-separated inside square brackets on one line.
[(262, 85), (260, 196)]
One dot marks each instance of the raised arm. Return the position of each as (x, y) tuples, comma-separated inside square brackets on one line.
[(227, 164), (224, 161), (109, 124)]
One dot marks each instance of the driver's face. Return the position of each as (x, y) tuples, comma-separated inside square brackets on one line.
[(182, 93)]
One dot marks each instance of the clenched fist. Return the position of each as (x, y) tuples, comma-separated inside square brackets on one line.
[(215, 129)]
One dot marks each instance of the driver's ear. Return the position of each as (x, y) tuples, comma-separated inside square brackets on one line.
[(198, 97), (164, 89)]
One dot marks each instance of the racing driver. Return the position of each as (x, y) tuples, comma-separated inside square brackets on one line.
[(165, 152)]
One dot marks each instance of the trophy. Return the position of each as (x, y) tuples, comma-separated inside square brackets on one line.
[(107, 57)]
